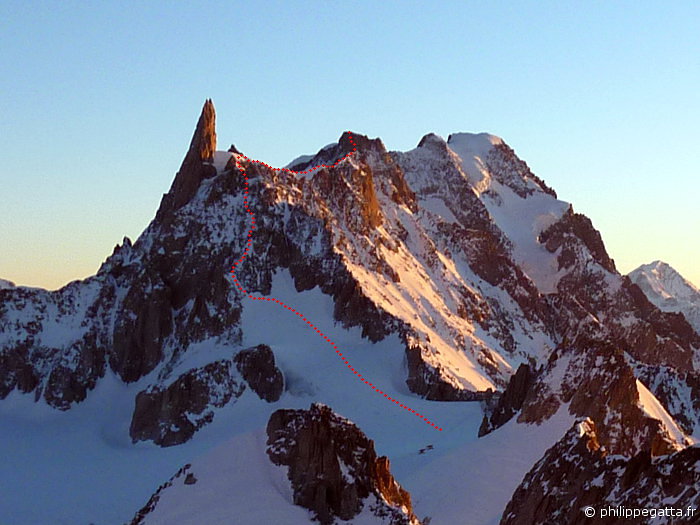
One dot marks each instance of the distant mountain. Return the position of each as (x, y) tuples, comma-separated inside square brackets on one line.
[(4, 284), (668, 290), (446, 287)]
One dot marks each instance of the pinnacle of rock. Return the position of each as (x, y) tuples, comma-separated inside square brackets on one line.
[(203, 143), (197, 164)]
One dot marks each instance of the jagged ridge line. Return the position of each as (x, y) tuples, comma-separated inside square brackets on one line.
[(242, 169)]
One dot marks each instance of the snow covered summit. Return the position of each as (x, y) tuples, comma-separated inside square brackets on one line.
[(669, 290)]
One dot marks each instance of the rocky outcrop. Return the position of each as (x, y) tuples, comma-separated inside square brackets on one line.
[(170, 415), (257, 366), (594, 300), (596, 381), (143, 513), (17, 370), (663, 337), (510, 402), (333, 467), (577, 472), (347, 144), (432, 382), (569, 465), (142, 325), (678, 392), (513, 172), (574, 228)]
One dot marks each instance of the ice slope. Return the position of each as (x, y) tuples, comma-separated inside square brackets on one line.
[(654, 409), (468, 484), (422, 298), (522, 220), (473, 150), (669, 290), (473, 482), (236, 483)]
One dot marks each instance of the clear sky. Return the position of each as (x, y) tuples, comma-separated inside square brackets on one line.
[(98, 101)]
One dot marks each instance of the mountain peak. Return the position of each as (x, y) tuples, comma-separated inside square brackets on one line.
[(475, 143), (347, 143), (657, 265), (355, 141), (668, 290), (203, 143), (431, 140), (661, 273), (5, 284), (197, 164)]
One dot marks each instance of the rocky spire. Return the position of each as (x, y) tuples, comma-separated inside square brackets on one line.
[(203, 142), (197, 163)]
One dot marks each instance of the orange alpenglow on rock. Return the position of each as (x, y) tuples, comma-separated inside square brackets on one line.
[(197, 164)]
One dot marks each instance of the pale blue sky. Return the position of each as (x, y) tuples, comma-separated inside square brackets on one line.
[(98, 102)]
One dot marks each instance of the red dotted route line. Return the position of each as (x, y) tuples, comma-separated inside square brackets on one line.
[(323, 336)]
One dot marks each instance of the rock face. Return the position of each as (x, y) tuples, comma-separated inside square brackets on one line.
[(197, 164), (333, 468), (62, 372), (578, 472), (257, 366), (151, 504), (428, 381), (510, 402), (597, 380), (568, 232), (170, 415)]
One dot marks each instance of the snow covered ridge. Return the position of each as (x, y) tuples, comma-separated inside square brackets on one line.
[(668, 290), (597, 379), (4, 284)]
